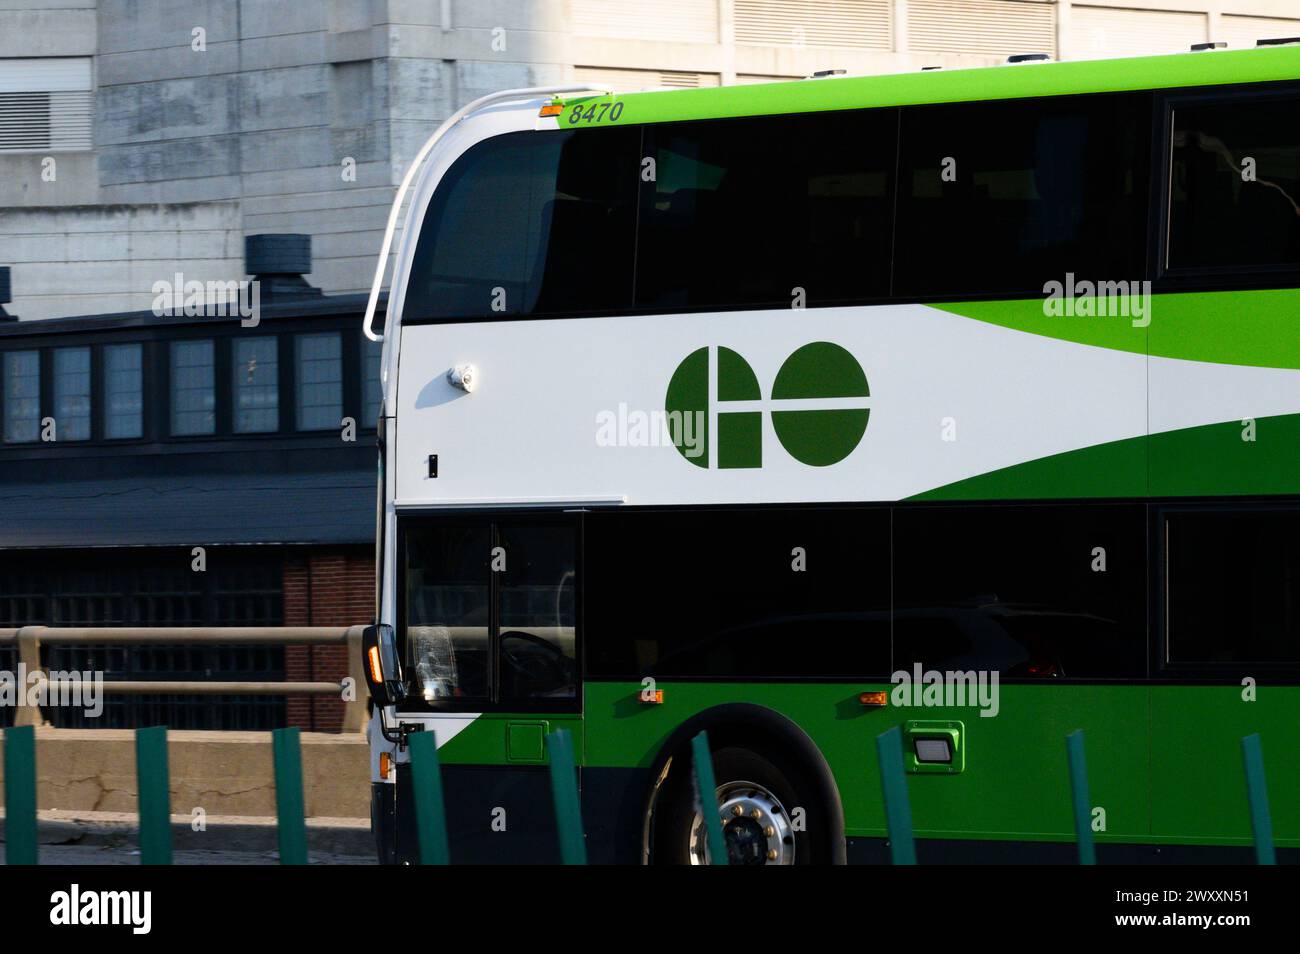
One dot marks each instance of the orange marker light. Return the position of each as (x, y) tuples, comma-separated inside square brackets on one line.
[(655, 698), (385, 764), (376, 671), (874, 699), (551, 109)]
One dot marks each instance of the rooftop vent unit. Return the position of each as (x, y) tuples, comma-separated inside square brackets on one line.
[(1029, 58), (278, 262), (822, 74), (1278, 41), (5, 296)]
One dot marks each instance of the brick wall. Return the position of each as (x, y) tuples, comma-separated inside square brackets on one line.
[(326, 587)]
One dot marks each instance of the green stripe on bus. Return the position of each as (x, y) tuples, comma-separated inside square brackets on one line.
[(1256, 328), (941, 86), (1210, 460)]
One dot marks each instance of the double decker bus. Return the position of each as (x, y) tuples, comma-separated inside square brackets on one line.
[(784, 411)]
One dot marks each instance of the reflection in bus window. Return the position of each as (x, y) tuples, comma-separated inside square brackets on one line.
[(447, 611), (538, 650), (1235, 189)]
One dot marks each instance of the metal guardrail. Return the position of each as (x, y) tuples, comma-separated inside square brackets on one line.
[(29, 640)]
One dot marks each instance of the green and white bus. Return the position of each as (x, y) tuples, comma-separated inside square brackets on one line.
[(961, 401)]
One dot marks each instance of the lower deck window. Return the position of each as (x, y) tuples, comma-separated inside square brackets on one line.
[(1232, 586), (490, 612)]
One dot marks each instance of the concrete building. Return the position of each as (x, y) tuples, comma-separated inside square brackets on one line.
[(142, 137)]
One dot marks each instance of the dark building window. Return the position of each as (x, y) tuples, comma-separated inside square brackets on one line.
[(1031, 591), (1233, 586), (1003, 197), (530, 223), (123, 391), (746, 211), (22, 396), (255, 384), (72, 394), (741, 594), (319, 360), (193, 395), (1235, 184)]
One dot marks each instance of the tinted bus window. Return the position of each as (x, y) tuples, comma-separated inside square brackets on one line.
[(1235, 184), (530, 223), (1031, 591), (755, 594), (1000, 198), (1233, 587), (743, 211)]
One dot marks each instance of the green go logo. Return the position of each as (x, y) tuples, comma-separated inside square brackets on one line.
[(818, 406)]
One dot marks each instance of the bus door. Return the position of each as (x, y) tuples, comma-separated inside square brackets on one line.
[(489, 610)]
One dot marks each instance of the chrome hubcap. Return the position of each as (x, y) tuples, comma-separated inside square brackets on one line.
[(755, 826)]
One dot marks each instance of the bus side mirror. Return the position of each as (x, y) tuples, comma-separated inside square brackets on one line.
[(382, 665)]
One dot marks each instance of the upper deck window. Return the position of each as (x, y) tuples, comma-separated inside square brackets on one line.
[(530, 223), (1235, 184), (767, 211), (1003, 197)]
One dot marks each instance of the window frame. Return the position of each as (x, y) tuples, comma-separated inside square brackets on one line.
[(1167, 278), (409, 521), (1164, 671)]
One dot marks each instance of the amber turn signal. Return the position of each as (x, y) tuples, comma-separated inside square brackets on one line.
[(874, 699)]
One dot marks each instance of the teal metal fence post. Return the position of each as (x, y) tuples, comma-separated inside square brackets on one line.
[(1080, 798), (152, 781), (291, 823), (706, 784), (564, 789), (20, 795), (430, 814), (1260, 821), (898, 810)]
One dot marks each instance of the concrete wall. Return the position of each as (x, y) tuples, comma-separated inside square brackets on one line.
[(224, 773)]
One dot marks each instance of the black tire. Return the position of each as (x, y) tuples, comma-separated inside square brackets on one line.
[(674, 809)]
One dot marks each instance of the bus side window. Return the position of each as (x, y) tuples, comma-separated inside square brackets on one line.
[(744, 211), (1003, 197), (1232, 587), (1235, 184)]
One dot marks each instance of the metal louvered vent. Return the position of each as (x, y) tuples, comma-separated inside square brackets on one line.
[(688, 21), (983, 27), (628, 81), (46, 105), (853, 24)]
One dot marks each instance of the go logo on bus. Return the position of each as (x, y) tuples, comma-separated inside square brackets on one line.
[(818, 406)]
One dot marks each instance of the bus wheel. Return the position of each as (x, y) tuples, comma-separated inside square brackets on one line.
[(764, 816)]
